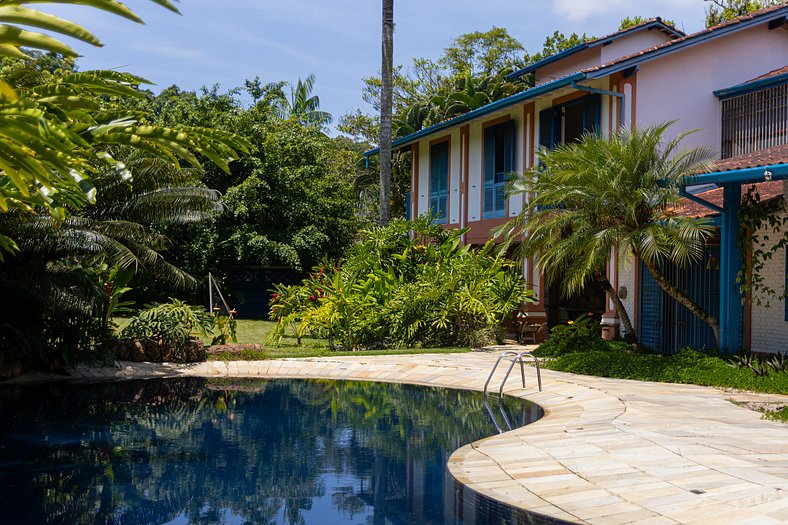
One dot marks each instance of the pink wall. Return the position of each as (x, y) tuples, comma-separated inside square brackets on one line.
[(622, 46), (571, 64), (680, 86), (632, 43)]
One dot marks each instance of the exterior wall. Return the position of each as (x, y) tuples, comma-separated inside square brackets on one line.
[(582, 60), (769, 326), (454, 178), (480, 228), (423, 183), (632, 43), (601, 54), (680, 85)]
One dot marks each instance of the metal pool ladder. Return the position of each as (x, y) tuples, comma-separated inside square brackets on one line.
[(515, 358)]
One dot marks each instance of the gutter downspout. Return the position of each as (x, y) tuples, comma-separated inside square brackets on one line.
[(616, 94)]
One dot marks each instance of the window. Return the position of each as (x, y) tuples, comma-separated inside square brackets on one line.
[(755, 121), (498, 163), (567, 122), (439, 181)]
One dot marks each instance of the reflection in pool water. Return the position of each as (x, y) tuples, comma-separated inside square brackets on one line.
[(196, 451)]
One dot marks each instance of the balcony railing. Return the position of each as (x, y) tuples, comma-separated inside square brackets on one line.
[(755, 121)]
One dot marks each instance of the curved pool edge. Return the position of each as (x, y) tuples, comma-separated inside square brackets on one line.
[(606, 451)]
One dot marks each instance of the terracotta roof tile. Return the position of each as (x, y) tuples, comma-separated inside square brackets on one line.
[(734, 21), (768, 190), (633, 28), (764, 157), (775, 72)]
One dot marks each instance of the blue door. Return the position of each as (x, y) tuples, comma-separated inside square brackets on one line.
[(665, 325)]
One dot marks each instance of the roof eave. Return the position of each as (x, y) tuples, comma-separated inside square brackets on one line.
[(655, 24), (529, 94), (691, 41), (741, 176), (749, 87)]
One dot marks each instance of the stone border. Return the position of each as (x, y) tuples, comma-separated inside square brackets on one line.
[(607, 451)]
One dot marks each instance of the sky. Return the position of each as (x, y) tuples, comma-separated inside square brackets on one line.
[(227, 41)]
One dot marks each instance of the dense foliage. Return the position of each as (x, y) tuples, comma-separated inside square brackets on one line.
[(173, 322), (288, 203), (398, 289), (719, 11), (584, 332), (619, 193)]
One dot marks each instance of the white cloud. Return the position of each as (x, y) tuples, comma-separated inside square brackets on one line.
[(579, 10)]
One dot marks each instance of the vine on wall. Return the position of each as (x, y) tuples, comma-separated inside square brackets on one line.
[(763, 232)]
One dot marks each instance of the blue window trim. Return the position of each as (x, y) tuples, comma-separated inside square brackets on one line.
[(550, 120), (496, 183), (752, 87), (440, 193)]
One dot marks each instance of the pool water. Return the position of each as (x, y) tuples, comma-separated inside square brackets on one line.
[(238, 452)]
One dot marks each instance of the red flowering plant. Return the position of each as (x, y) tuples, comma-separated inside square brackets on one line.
[(289, 305)]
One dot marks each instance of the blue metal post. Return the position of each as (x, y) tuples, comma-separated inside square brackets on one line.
[(730, 263)]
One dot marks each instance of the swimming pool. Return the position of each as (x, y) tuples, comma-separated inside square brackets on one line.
[(237, 452)]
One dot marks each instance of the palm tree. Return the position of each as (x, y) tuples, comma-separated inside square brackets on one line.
[(303, 105), (386, 108), (470, 93), (38, 156), (59, 280), (598, 195)]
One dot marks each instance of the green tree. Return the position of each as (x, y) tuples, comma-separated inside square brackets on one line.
[(719, 11), (599, 195), (632, 21), (302, 104), (42, 151), (286, 203), (59, 125), (558, 42), (483, 53)]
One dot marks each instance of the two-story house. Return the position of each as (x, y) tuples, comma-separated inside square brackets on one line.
[(729, 81)]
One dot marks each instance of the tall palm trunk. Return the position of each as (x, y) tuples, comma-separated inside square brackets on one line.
[(387, 72), (684, 299), (612, 293)]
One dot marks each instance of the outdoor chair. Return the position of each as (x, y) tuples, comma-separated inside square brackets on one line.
[(530, 332)]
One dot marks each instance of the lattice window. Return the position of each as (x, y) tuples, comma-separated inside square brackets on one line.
[(755, 121)]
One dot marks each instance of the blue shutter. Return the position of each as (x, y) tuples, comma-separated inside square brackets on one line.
[(550, 127), (407, 206), (439, 181), (591, 105)]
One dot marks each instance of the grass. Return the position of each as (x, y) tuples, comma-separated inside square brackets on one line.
[(688, 367), (252, 331), (258, 332), (776, 415)]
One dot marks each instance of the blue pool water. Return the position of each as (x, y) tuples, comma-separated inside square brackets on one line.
[(238, 452)]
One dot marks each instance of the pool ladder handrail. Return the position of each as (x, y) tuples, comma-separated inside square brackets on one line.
[(515, 357)]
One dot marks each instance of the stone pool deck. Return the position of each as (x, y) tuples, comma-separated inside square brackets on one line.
[(606, 452)]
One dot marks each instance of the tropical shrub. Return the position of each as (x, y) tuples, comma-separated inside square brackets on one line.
[(581, 334), (398, 289), (760, 365), (173, 323)]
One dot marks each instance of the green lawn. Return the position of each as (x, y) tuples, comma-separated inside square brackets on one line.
[(691, 367), (258, 332), (251, 331)]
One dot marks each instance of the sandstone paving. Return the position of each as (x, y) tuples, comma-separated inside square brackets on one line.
[(606, 452)]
